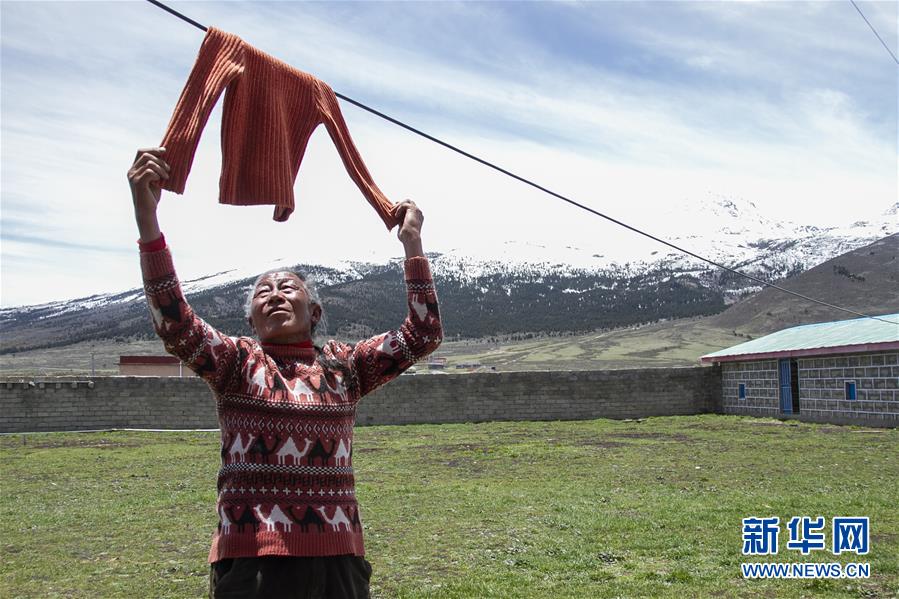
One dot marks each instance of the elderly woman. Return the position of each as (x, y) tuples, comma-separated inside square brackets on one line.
[(289, 524)]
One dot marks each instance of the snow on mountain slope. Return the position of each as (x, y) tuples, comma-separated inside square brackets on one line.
[(729, 231)]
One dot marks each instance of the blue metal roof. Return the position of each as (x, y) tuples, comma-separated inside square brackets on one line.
[(805, 338)]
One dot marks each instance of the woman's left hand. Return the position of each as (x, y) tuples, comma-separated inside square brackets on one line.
[(411, 219)]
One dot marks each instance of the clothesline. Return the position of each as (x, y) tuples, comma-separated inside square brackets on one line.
[(883, 43), (558, 195)]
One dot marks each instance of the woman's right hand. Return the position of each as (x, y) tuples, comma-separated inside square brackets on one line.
[(145, 177)]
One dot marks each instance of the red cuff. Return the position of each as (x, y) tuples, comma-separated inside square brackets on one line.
[(152, 246), (417, 269)]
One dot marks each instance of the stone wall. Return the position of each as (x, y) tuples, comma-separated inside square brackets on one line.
[(185, 403), (822, 389), (176, 369), (762, 393)]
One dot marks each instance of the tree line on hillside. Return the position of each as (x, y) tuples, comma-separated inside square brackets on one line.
[(499, 304)]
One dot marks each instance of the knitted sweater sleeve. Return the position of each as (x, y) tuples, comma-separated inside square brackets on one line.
[(384, 357), (352, 160), (200, 347), (220, 60)]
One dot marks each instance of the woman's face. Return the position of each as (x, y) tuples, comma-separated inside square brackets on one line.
[(280, 311)]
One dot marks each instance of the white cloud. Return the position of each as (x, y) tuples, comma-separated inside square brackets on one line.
[(755, 126)]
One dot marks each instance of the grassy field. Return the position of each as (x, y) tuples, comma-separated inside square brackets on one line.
[(75, 359), (677, 343), (599, 508)]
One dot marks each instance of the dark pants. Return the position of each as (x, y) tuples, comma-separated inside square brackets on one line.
[(275, 577)]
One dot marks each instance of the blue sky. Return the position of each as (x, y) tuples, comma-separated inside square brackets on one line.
[(633, 108)]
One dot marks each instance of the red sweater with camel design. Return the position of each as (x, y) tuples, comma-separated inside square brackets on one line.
[(286, 414)]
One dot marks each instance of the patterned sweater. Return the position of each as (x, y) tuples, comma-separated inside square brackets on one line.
[(286, 415)]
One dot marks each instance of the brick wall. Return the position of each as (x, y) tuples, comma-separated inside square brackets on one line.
[(106, 402), (176, 369), (543, 396), (822, 389), (762, 393), (165, 402)]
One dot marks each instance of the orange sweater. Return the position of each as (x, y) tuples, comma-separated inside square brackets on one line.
[(270, 111)]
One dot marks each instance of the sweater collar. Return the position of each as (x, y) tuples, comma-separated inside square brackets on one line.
[(301, 350)]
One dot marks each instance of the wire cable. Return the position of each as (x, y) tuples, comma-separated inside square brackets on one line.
[(558, 195), (176, 13), (875, 31)]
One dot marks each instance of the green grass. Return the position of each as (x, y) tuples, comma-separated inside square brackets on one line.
[(675, 343), (678, 343), (597, 508)]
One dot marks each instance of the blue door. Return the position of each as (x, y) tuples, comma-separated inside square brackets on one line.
[(786, 394)]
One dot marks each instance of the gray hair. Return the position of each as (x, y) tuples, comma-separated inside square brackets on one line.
[(318, 328)]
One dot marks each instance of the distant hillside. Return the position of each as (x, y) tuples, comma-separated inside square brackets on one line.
[(523, 300), (524, 295), (865, 280)]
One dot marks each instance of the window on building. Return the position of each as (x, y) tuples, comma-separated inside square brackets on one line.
[(850, 390), (741, 393)]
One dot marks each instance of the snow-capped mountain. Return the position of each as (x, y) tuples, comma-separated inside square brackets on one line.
[(511, 285), (734, 233), (747, 240)]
